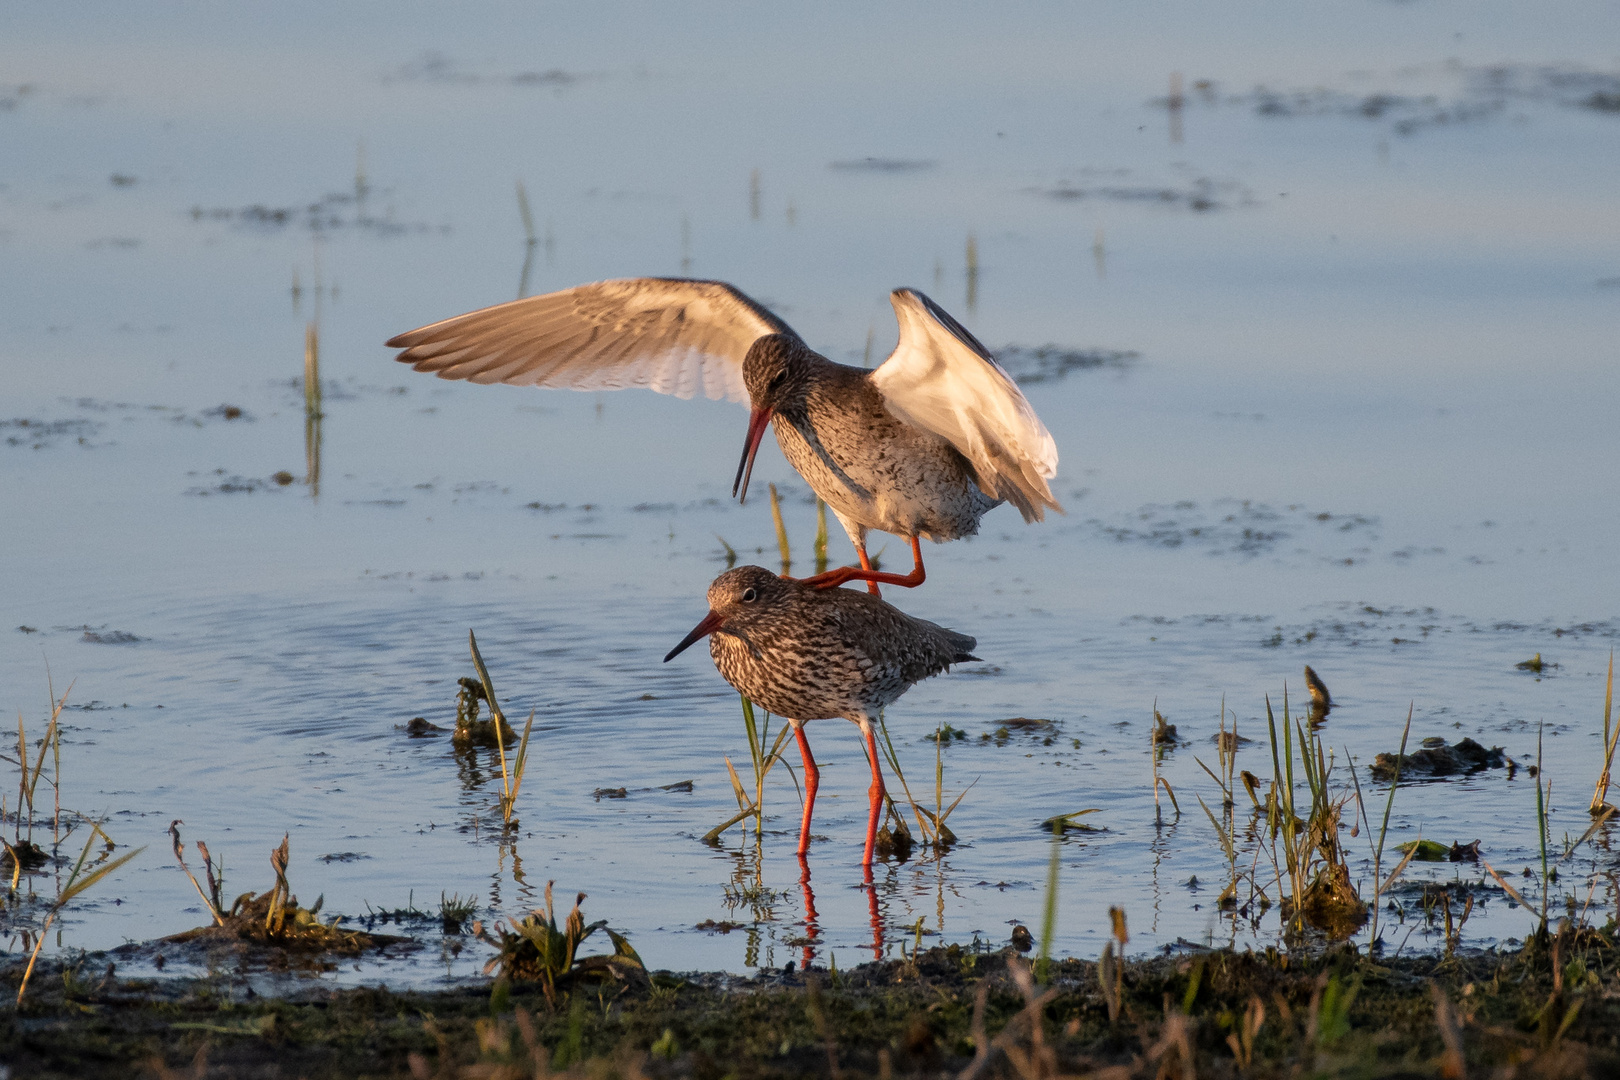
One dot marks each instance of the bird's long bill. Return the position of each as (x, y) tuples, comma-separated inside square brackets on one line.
[(758, 421), (711, 622)]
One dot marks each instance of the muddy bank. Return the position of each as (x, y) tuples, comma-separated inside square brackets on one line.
[(1550, 1009)]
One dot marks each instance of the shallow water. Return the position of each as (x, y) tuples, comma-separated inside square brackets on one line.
[(1366, 423)]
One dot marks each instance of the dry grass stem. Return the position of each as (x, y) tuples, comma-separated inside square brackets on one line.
[(781, 532), (1611, 736), (511, 780)]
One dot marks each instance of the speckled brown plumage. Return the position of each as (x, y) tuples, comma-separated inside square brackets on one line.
[(807, 653), (873, 470), (812, 654)]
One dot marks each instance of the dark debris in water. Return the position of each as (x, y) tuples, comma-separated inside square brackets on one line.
[(883, 165), (329, 213), (1049, 363), (436, 67), (109, 637), (1233, 526), (238, 485), (1366, 624), (15, 94), (625, 792), (1436, 760), (31, 434), (1041, 730), (1431, 851), (1200, 194), (1477, 93)]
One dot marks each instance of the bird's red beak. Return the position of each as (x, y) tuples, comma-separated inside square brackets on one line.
[(711, 622), (758, 421)]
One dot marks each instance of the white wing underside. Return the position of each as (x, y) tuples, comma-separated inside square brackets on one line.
[(672, 335), (939, 378)]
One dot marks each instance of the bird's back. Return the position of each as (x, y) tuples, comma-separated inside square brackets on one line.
[(834, 652)]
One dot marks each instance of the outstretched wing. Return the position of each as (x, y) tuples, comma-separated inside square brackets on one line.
[(673, 335), (939, 378)]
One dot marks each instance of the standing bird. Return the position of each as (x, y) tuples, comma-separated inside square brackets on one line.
[(808, 653), (922, 446)]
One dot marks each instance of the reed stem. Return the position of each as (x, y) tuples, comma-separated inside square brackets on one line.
[(781, 532)]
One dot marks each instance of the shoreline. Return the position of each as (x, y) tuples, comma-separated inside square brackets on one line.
[(1550, 1008)]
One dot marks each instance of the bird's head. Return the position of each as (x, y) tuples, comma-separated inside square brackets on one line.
[(736, 598), (776, 373)]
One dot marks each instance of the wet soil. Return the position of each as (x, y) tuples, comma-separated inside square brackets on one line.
[(1549, 1009)]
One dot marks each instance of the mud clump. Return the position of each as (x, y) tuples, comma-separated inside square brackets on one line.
[(1438, 760)]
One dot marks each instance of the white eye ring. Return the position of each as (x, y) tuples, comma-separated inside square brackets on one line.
[(749, 596)]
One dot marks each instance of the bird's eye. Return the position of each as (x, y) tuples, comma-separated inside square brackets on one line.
[(777, 380), (749, 596)]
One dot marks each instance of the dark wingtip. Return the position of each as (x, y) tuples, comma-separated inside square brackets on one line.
[(397, 342), (962, 658)]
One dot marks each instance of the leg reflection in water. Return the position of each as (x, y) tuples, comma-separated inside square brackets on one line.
[(812, 925), (812, 929), (877, 916)]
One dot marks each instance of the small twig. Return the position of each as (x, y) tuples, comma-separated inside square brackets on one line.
[(179, 854)]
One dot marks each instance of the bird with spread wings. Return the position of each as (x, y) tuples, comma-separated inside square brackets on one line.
[(921, 446)]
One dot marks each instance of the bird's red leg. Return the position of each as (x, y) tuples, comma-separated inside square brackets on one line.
[(875, 795), (834, 578), (812, 780), (866, 566)]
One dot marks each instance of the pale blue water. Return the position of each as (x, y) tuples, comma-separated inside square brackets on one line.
[(1404, 321)]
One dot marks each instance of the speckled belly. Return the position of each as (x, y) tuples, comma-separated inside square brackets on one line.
[(805, 685), (895, 480)]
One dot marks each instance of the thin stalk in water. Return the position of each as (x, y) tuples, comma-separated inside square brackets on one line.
[(1049, 914), (821, 537), (781, 532), (1600, 795), (1541, 820)]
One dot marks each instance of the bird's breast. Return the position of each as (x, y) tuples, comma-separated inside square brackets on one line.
[(880, 473), (811, 677)]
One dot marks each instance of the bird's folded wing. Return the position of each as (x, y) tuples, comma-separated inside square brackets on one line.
[(672, 335), (941, 379)]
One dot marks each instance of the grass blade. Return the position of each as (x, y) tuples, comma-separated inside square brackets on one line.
[(494, 707), (737, 787), (75, 887), (1513, 894), (1226, 841)]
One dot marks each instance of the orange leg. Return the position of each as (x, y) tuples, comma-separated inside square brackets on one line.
[(875, 795), (834, 578), (812, 780), (866, 567)]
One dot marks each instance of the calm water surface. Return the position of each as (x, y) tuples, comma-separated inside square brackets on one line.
[(1355, 304)]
